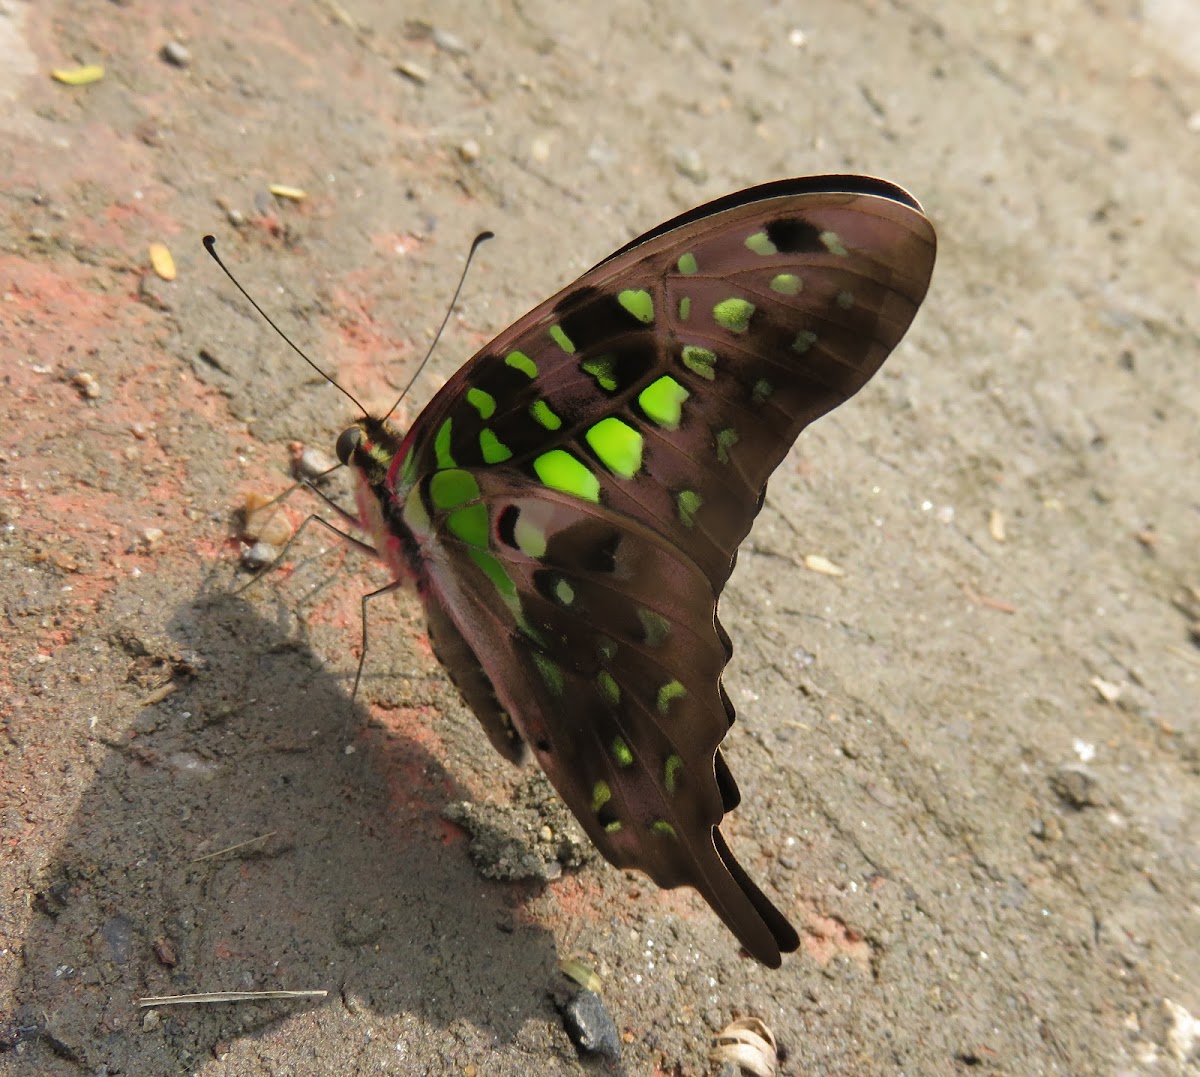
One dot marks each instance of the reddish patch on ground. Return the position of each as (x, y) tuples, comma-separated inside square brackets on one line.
[(449, 834), (395, 244), (825, 937), (369, 357), (577, 898)]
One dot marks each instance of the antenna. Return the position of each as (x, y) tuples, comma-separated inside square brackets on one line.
[(476, 243), (210, 245)]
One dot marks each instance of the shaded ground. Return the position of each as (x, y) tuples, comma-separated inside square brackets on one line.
[(969, 766)]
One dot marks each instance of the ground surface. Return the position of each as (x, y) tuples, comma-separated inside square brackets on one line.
[(969, 765)]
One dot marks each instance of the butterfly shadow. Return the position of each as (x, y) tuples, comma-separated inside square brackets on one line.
[(245, 832)]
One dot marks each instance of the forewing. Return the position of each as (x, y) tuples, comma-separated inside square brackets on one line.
[(679, 371)]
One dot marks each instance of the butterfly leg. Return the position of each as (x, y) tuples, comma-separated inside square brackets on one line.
[(366, 547), (349, 517), (395, 585)]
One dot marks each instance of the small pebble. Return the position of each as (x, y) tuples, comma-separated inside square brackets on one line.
[(87, 383), (175, 53), (1078, 786), (590, 1027), (469, 150), (688, 164), (449, 42), (311, 463), (151, 537), (259, 556), (264, 521), (164, 950)]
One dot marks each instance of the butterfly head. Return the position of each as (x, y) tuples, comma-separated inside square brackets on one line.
[(370, 446)]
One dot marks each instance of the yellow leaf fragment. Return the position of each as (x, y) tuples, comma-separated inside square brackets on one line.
[(581, 974), (161, 260), (292, 194), (814, 562), (78, 76), (996, 525)]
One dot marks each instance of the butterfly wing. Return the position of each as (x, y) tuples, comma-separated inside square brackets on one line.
[(575, 497)]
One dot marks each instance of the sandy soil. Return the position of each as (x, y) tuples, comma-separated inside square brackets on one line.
[(969, 766)]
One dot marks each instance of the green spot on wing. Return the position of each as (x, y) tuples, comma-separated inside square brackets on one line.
[(618, 445), (408, 469), (559, 470), (564, 593), (470, 524), (494, 450), (671, 772), (606, 649), (762, 389), (550, 671), (601, 795), (685, 308), (621, 752), (726, 440), (451, 488), (687, 263), (786, 284), (601, 368), (639, 303), (661, 826), (520, 361), (527, 628), (441, 446), (655, 627), (760, 243), (494, 571), (844, 299), (688, 502), (699, 361), (805, 339), (833, 243), (530, 539), (662, 401), (733, 314), (667, 695), (543, 416), (561, 339), (613, 828), (610, 690), (482, 402)]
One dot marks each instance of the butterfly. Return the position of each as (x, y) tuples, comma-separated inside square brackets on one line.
[(569, 505)]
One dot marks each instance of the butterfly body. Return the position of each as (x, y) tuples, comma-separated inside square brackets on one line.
[(570, 504)]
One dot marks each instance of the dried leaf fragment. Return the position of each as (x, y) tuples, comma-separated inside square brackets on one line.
[(292, 194), (78, 76), (749, 1045), (996, 526)]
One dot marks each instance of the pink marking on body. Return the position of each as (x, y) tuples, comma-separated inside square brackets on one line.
[(387, 545)]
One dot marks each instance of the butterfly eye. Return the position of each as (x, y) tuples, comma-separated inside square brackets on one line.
[(348, 440)]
